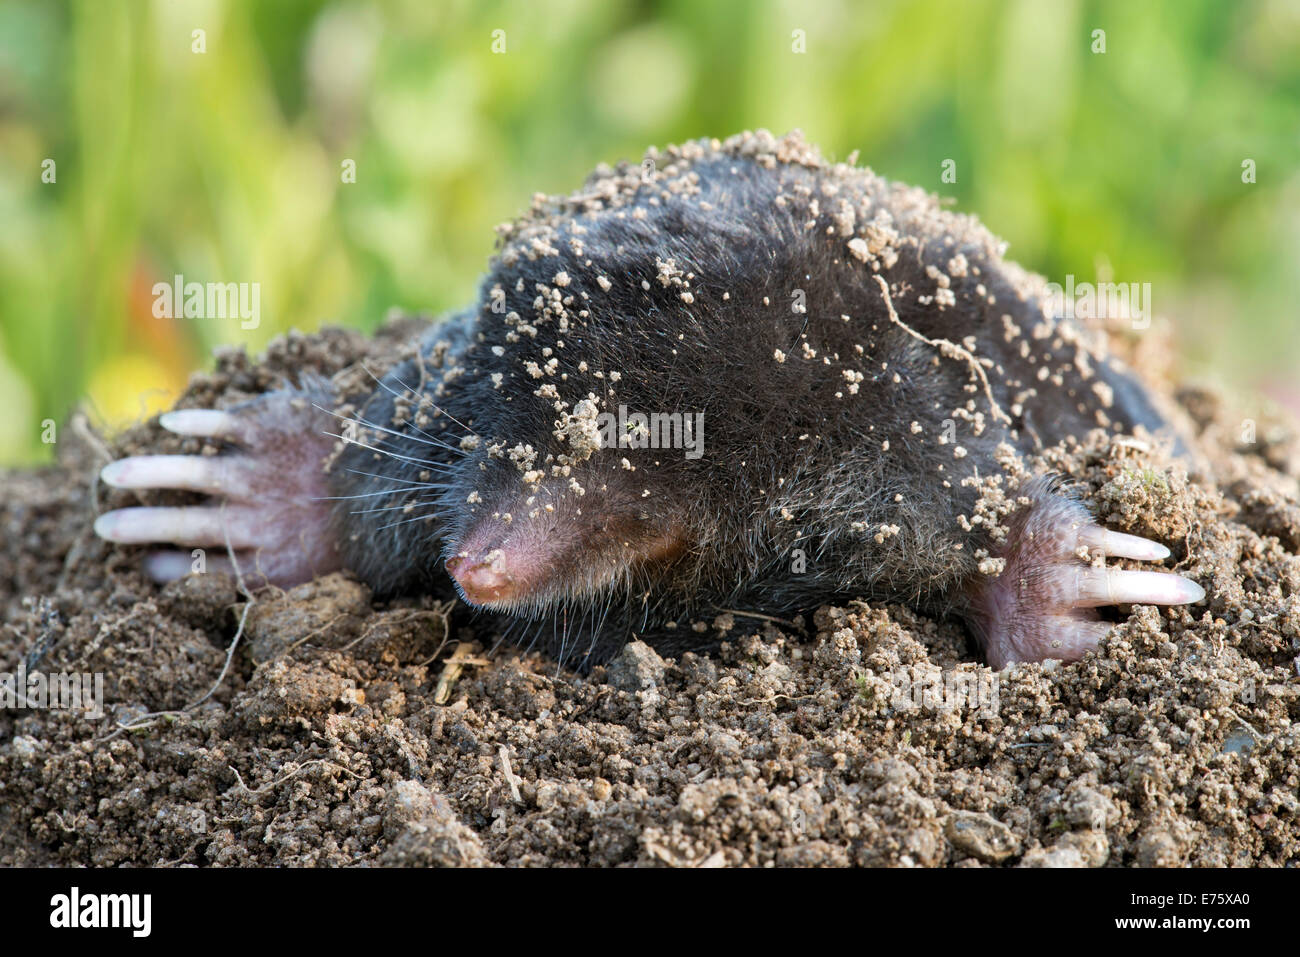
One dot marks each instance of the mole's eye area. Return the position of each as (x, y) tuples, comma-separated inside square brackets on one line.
[(561, 546)]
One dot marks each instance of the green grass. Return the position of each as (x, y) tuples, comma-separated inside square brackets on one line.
[(225, 165)]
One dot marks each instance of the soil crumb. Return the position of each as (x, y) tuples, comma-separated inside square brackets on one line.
[(346, 731)]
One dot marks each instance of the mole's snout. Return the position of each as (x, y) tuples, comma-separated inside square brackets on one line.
[(483, 582), (502, 565)]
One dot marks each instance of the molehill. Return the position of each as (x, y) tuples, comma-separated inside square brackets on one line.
[(340, 730)]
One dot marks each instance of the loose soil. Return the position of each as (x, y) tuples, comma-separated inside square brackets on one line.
[(347, 731)]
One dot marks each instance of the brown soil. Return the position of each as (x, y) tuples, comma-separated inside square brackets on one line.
[(347, 731)]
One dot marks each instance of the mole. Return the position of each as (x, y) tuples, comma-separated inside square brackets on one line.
[(735, 376)]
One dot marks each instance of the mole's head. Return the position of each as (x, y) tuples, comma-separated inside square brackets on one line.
[(633, 417), (685, 372), (525, 545)]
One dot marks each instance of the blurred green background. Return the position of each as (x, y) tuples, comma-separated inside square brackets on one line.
[(225, 165)]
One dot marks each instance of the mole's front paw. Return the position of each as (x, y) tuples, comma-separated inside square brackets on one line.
[(1042, 604), (271, 507)]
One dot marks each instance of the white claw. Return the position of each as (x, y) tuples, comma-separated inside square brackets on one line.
[(1113, 586), (187, 525), (169, 566), (197, 473), (1119, 545), (201, 422)]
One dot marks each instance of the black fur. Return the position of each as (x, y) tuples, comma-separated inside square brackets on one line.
[(738, 219)]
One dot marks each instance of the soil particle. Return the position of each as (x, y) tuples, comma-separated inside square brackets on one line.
[(980, 836), (636, 668)]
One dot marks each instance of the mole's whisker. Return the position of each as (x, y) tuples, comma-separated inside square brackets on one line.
[(409, 483), (408, 521), (427, 440), (391, 508), (423, 463), (386, 491), (432, 404)]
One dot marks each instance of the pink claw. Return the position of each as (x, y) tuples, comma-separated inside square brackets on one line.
[(270, 497), (1041, 605)]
